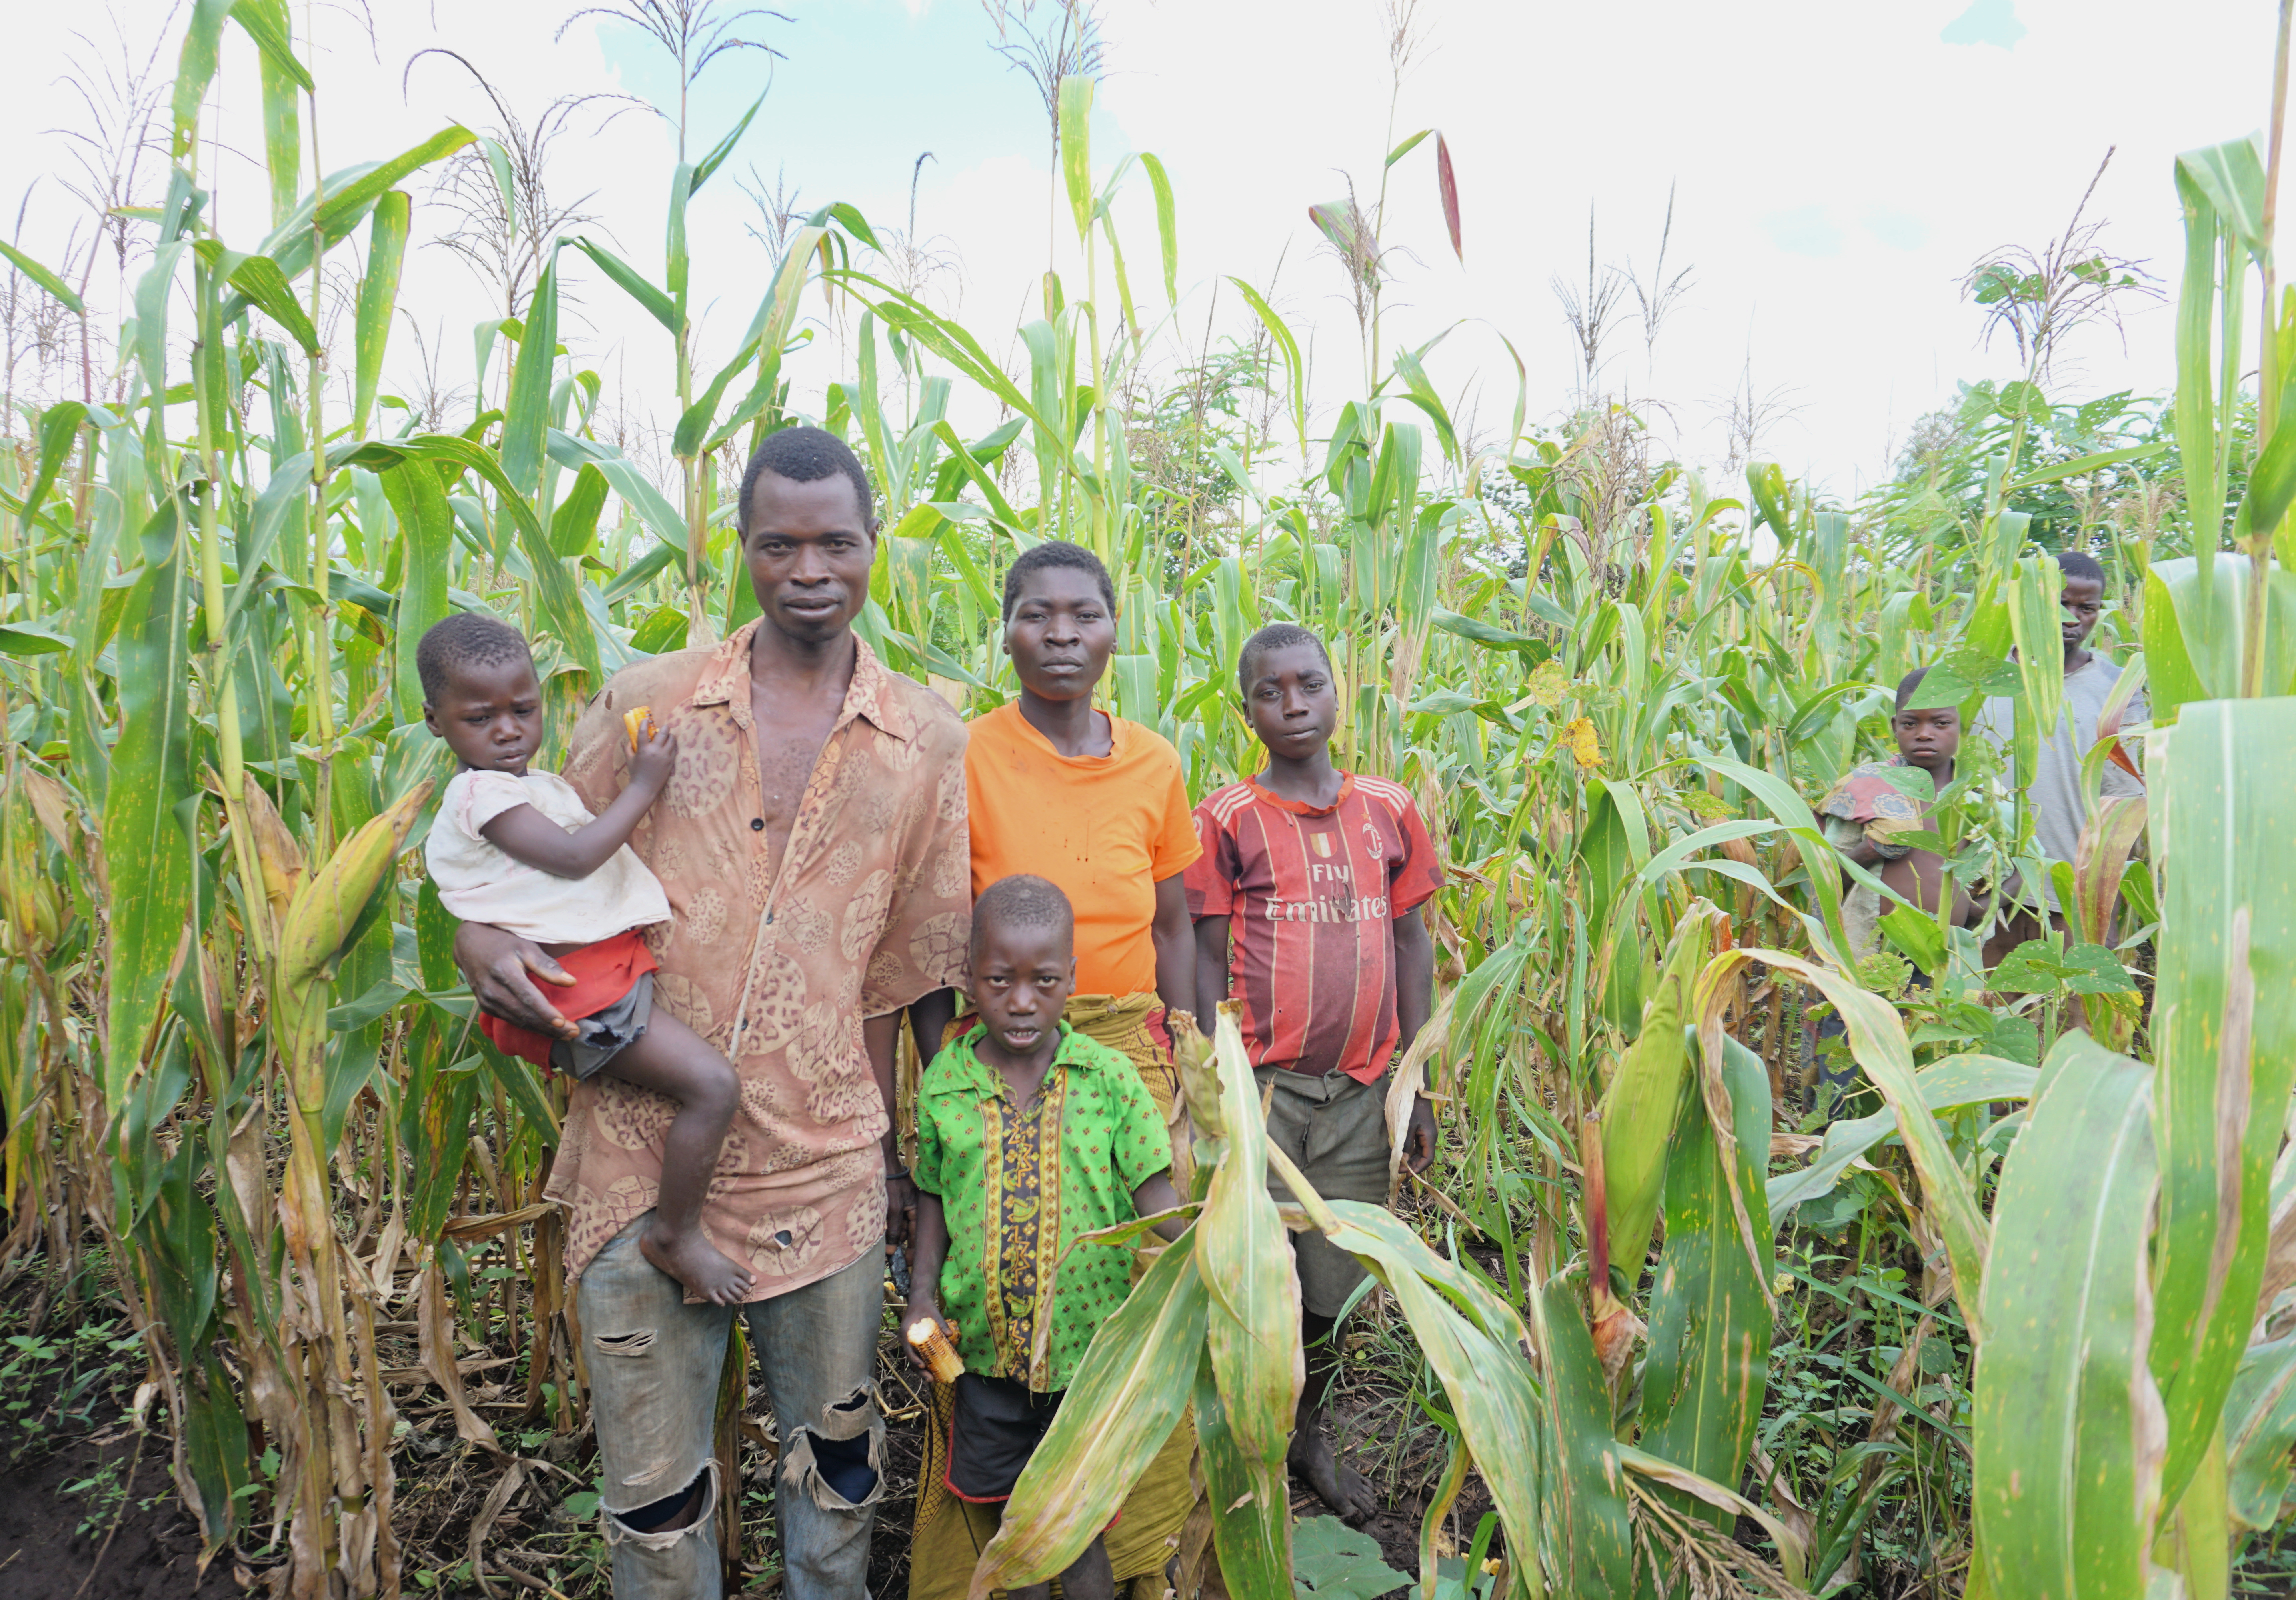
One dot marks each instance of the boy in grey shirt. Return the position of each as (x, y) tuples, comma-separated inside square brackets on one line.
[(2054, 789)]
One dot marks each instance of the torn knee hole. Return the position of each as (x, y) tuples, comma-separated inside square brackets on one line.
[(624, 1344), (837, 1463), (661, 1524)]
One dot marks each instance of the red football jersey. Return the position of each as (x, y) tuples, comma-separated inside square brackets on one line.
[(1312, 895)]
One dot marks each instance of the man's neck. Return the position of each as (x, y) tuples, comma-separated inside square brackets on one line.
[(1071, 726), (1310, 780), (803, 665), (2076, 658)]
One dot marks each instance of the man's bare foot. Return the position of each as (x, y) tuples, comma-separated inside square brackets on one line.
[(1343, 1487), (694, 1261)]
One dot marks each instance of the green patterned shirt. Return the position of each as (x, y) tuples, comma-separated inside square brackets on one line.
[(1075, 1156)]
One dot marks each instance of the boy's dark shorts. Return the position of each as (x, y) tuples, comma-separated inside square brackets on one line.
[(997, 1426), (1334, 1131)]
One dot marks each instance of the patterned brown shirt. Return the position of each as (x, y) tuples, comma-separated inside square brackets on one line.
[(776, 962)]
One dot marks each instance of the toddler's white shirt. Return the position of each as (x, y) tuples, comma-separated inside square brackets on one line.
[(480, 882)]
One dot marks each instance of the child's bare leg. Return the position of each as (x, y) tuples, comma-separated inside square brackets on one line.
[(672, 1060), (1088, 1578)]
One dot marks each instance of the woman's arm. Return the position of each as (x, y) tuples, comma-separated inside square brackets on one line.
[(1175, 948), (527, 836), (500, 967)]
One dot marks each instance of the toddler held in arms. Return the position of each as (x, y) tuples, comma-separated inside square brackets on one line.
[(520, 850), (1028, 1134)]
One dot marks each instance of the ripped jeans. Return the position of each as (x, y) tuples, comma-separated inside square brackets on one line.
[(654, 1367)]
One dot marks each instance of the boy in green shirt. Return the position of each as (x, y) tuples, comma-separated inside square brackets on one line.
[(1028, 1134)]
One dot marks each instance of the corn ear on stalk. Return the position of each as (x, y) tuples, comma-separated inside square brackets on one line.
[(1638, 1109)]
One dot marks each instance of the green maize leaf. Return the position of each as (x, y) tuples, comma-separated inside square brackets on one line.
[(195, 69), (638, 490), (1250, 1497), (2260, 1428), (266, 24), (344, 206), (2067, 1426), (1475, 1341), (723, 147), (1407, 146), (1588, 1539), (1076, 148), (2080, 465), (2035, 619), (1877, 1040), (2271, 481), (50, 284), (658, 305), (378, 299), (31, 638), (527, 410), (1639, 1107), (1710, 1325), (2224, 1031), (428, 527), (1791, 809), (1946, 1086), (1253, 1354), (214, 1448), (1167, 230), (562, 605), (675, 258), (2168, 663), (769, 331), (281, 76), (574, 525), (2231, 176), (1129, 1391), (1288, 347), (60, 426), (150, 778), (2195, 407)]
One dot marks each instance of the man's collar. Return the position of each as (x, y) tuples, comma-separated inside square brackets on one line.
[(871, 694)]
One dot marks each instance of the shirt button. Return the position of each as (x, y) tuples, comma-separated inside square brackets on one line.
[(757, 824)]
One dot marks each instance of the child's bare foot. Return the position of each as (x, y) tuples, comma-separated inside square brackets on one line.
[(694, 1261), (1343, 1487)]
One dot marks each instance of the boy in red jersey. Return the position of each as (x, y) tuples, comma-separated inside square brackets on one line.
[(1306, 903)]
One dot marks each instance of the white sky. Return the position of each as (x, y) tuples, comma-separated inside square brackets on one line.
[(1838, 166)]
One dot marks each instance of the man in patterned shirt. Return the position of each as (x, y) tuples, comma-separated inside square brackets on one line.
[(812, 843), (1306, 902)]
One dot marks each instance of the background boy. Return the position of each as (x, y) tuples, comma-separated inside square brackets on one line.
[(2053, 787), (1306, 903), (520, 850), (1028, 1134)]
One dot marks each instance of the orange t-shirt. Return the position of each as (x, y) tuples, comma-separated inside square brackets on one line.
[(1105, 828)]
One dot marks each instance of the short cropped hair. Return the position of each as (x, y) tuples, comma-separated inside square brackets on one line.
[(1061, 553), (804, 454), (465, 639), (1908, 684), (2081, 564), (1022, 901), (1276, 635)]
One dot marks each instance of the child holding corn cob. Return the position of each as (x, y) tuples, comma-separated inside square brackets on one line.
[(1029, 1134), (517, 848)]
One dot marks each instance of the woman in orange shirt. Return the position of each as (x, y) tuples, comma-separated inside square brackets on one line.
[(1097, 804), (1100, 806)]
